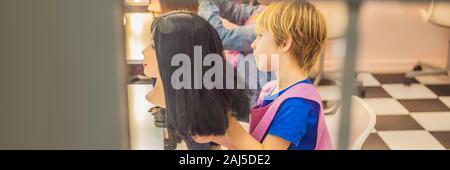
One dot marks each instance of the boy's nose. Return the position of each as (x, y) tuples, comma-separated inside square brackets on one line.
[(253, 45)]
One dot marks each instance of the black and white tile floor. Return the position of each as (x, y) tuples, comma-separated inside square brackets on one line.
[(408, 117)]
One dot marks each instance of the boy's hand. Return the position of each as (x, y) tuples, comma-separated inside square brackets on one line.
[(204, 139), (221, 140)]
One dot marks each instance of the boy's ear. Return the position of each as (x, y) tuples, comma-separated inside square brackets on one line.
[(286, 46)]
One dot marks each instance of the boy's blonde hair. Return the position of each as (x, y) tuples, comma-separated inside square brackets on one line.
[(301, 21)]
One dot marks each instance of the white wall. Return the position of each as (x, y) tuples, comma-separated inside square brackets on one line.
[(393, 37)]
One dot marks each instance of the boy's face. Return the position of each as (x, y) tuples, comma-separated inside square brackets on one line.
[(266, 51)]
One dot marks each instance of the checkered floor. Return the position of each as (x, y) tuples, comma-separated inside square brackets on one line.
[(408, 117)]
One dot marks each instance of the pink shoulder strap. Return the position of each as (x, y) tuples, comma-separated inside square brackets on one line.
[(266, 90), (309, 92)]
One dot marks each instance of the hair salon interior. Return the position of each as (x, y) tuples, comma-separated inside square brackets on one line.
[(73, 74)]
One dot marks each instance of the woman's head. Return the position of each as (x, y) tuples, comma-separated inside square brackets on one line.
[(193, 110), (159, 7), (292, 27)]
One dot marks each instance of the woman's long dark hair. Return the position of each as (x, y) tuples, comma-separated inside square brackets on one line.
[(194, 111)]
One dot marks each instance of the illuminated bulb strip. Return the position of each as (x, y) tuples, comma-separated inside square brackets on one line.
[(137, 2)]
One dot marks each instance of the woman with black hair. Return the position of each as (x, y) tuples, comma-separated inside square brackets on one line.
[(193, 109)]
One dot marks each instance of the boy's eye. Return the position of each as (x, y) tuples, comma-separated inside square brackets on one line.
[(258, 35)]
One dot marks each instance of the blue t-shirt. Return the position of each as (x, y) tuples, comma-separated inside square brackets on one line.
[(295, 121)]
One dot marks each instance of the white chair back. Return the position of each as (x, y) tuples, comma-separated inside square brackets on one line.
[(362, 122)]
